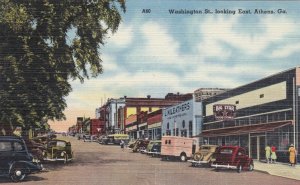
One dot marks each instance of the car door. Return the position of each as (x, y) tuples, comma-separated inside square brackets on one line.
[(5, 155), (239, 159), (20, 152)]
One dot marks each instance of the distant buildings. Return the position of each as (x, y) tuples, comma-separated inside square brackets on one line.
[(264, 112), (204, 93)]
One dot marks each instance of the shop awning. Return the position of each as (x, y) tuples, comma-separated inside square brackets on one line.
[(246, 129)]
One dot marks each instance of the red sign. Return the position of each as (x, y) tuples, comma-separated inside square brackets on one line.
[(224, 111)]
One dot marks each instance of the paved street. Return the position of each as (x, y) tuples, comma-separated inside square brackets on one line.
[(109, 165)]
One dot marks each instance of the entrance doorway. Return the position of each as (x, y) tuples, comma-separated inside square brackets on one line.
[(257, 147)]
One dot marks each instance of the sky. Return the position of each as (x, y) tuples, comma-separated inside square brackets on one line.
[(160, 52)]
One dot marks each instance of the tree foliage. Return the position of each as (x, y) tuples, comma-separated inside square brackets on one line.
[(44, 44)]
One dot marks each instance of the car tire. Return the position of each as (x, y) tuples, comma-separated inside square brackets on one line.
[(183, 157), (251, 167), (239, 168), (17, 173)]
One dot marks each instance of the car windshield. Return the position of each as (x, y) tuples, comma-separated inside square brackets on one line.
[(226, 151), (61, 144)]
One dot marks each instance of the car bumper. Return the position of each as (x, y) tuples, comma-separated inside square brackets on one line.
[(157, 153), (197, 162), (224, 166), (57, 159)]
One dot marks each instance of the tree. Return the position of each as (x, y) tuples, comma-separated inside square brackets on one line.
[(44, 44)]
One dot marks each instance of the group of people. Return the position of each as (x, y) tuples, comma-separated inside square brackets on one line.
[(271, 154)]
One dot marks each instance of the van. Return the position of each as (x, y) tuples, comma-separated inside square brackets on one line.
[(178, 147)]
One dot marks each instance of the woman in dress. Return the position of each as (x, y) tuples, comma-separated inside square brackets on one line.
[(293, 153), (273, 154), (268, 153)]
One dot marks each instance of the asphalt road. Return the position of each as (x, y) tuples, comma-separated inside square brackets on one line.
[(109, 165)]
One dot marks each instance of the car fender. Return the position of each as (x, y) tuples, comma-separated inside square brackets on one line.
[(30, 167)]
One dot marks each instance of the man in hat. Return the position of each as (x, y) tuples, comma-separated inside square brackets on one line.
[(293, 153)]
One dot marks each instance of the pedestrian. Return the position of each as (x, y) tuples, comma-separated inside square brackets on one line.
[(122, 145), (293, 153), (268, 153), (273, 154)]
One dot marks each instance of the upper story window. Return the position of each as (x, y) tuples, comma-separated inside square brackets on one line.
[(261, 95)]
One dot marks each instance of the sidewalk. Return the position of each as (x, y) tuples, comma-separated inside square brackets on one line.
[(278, 169)]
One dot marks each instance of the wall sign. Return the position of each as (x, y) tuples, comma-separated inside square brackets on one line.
[(224, 111)]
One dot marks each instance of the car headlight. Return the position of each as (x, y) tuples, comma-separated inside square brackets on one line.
[(62, 154)]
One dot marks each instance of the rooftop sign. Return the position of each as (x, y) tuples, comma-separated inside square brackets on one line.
[(224, 111)]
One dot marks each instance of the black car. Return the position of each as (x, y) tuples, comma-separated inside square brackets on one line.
[(15, 160)]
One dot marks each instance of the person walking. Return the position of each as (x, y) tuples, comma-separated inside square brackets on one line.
[(293, 153), (268, 153), (122, 145), (273, 154)]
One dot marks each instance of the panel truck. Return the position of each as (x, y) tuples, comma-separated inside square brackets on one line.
[(178, 147)]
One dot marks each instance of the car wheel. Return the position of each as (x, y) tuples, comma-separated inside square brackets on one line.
[(198, 157), (251, 167), (239, 168), (17, 173), (183, 157)]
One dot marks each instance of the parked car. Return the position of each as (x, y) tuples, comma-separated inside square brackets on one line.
[(140, 145), (173, 147), (90, 138), (36, 149), (15, 160), (203, 155), (131, 144), (58, 150), (87, 137), (232, 157), (154, 148)]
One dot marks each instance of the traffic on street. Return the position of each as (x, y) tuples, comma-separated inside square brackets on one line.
[(95, 163)]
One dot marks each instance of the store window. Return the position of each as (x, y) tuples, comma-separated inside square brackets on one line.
[(190, 128)]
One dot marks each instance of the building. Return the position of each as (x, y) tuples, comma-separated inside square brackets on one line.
[(204, 93), (266, 113), (183, 119), (131, 118), (154, 120)]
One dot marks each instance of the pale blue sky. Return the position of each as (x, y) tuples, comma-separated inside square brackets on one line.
[(159, 52)]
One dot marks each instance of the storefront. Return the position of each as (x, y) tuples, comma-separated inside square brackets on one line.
[(184, 119), (266, 113)]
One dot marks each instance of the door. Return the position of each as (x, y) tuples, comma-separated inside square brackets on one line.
[(253, 147), (261, 149), (257, 147)]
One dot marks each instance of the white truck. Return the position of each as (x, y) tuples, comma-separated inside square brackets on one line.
[(178, 147)]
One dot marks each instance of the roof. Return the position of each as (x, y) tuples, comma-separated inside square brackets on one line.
[(10, 138), (239, 130)]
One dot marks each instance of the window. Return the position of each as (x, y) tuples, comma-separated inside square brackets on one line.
[(237, 102), (177, 131), (5, 146), (18, 146), (183, 124), (226, 151), (261, 95), (190, 128)]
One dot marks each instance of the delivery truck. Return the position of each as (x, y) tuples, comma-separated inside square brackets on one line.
[(173, 147)]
